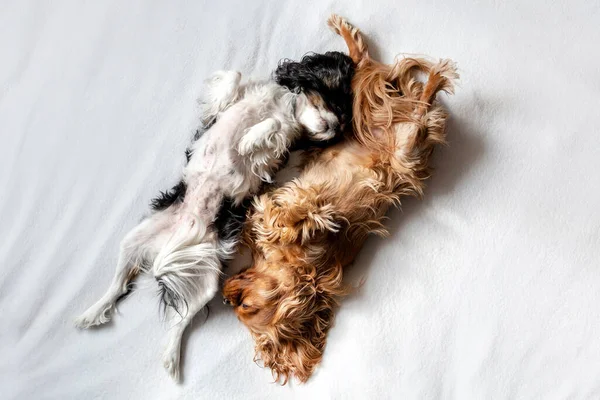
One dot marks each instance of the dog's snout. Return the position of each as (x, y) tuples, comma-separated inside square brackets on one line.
[(226, 301)]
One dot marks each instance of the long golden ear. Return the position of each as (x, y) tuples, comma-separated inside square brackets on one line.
[(294, 344), (287, 359), (357, 48)]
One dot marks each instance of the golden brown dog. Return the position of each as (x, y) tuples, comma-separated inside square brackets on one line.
[(305, 232)]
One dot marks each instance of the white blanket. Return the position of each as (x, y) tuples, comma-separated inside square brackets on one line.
[(487, 289)]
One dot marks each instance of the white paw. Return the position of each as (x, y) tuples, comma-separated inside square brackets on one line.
[(93, 316), (259, 136), (221, 91), (171, 363), (246, 145)]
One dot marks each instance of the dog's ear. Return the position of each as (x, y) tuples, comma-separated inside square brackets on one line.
[(294, 75), (296, 340), (336, 71), (331, 71)]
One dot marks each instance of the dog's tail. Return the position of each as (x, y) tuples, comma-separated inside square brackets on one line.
[(184, 260), (357, 47)]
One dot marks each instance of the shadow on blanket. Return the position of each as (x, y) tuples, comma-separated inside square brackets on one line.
[(465, 150)]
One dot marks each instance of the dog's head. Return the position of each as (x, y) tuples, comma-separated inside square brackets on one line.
[(288, 315), (252, 294), (324, 83)]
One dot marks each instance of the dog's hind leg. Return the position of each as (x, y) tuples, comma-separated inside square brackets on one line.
[(441, 78), (416, 140), (429, 129), (222, 90), (137, 245), (357, 48), (179, 322)]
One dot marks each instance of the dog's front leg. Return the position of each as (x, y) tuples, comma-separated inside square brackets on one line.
[(221, 91), (260, 136)]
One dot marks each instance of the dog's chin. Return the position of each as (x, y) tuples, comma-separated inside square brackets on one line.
[(322, 136)]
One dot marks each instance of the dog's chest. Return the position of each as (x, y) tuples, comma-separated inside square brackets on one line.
[(212, 153), (214, 168)]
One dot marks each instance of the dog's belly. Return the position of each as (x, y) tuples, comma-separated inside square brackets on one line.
[(212, 174)]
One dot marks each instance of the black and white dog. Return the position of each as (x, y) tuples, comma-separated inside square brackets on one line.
[(192, 229)]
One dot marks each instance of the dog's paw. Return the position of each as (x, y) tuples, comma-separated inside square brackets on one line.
[(171, 363), (246, 145), (93, 317), (335, 22), (260, 136)]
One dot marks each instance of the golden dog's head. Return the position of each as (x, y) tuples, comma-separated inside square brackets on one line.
[(288, 310), (253, 295)]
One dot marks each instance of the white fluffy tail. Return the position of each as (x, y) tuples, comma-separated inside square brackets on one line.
[(184, 260)]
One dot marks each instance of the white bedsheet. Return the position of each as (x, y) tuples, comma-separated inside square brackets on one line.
[(487, 289)]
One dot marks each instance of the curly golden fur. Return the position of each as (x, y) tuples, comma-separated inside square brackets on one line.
[(305, 232)]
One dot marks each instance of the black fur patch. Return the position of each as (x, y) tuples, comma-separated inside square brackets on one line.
[(200, 132), (230, 218), (129, 289), (169, 298), (168, 198), (188, 155), (328, 75)]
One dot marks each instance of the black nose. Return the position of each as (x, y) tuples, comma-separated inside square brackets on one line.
[(226, 301)]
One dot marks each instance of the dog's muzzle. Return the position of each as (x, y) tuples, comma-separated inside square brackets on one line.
[(226, 301)]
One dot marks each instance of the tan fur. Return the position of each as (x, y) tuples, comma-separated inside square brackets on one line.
[(305, 232)]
